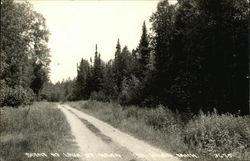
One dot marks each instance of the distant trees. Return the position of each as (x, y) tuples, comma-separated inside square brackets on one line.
[(60, 91), (24, 53), (195, 58)]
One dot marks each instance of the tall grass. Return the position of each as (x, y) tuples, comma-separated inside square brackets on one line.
[(213, 133), (39, 128), (205, 135), (148, 124)]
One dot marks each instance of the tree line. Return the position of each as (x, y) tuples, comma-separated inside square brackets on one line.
[(194, 58), (24, 54)]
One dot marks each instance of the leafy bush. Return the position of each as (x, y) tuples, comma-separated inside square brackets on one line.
[(130, 91), (99, 96), (162, 118), (3, 87), (214, 133), (16, 96)]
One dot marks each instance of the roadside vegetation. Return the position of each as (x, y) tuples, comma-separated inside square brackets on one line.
[(24, 55), (206, 135), (39, 128), (194, 57)]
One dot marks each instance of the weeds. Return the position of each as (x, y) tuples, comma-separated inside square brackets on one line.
[(213, 133), (205, 135), (39, 128)]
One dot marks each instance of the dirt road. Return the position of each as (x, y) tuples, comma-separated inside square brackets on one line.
[(98, 141)]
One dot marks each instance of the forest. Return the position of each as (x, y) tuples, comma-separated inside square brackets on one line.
[(194, 57), (184, 88)]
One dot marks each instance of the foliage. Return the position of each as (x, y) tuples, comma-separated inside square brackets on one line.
[(143, 53), (131, 91), (200, 50), (16, 96), (162, 118), (39, 128), (60, 91), (204, 135), (100, 96), (97, 72), (213, 133), (24, 51), (195, 57), (81, 79)]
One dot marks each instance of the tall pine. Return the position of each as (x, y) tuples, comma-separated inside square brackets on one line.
[(118, 66), (143, 52), (97, 72)]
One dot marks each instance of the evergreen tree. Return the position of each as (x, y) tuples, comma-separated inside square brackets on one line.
[(201, 55), (109, 85), (143, 52), (97, 72), (118, 67), (81, 79), (118, 50)]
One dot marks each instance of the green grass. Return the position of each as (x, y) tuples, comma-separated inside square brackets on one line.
[(205, 135), (39, 128)]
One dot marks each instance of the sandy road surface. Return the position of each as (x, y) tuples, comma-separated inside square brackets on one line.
[(98, 141)]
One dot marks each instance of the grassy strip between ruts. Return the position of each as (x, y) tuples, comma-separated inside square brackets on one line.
[(28, 132), (208, 136)]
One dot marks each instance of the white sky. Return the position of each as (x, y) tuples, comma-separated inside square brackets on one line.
[(76, 26)]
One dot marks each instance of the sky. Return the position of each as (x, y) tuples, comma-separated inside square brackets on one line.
[(77, 26)]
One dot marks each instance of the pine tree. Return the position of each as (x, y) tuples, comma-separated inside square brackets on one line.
[(143, 52), (81, 79), (97, 72), (109, 86), (118, 67), (118, 50)]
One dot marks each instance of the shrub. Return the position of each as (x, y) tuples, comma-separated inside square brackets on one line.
[(3, 88), (16, 96), (99, 96), (131, 91), (214, 133), (162, 118)]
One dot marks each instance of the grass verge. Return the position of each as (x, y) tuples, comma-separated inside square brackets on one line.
[(208, 136), (34, 132)]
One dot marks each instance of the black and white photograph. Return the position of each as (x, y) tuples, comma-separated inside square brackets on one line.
[(125, 80)]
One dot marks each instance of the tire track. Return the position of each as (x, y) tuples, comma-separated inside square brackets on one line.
[(142, 150), (123, 151)]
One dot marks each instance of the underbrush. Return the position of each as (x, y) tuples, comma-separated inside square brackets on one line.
[(208, 136), (39, 128), (212, 133), (15, 96)]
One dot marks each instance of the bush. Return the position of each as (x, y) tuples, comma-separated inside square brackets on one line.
[(99, 96), (162, 118), (214, 133), (16, 96), (3, 88), (131, 91)]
